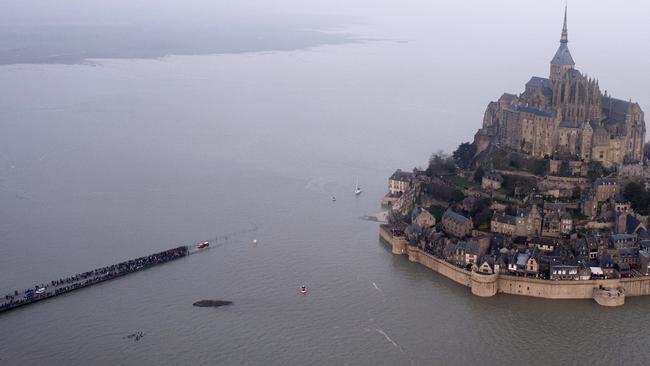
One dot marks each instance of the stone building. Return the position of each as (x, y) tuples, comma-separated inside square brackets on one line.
[(565, 115), (399, 182), (456, 224), (423, 218), (503, 224), (491, 180), (527, 222), (606, 188)]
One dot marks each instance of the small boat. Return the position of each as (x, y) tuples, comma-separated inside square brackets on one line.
[(254, 241), (40, 291), (357, 189), (303, 289), (333, 198), (203, 245)]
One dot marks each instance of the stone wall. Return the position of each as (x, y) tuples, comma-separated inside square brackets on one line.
[(489, 285), (398, 243), (448, 270)]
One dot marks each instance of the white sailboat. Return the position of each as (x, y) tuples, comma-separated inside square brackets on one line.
[(357, 189)]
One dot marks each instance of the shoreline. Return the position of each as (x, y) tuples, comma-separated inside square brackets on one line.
[(606, 292)]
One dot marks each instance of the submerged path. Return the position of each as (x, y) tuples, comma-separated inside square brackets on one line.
[(85, 279), (62, 286)]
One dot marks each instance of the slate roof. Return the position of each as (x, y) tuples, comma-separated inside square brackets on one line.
[(605, 182), (543, 84), (402, 176), (494, 176), (458, 218), (536, 81), (567, 124), (508, 97), (614, 109), (535, 111), (522, 258), (632, 224), (562, 56), (504, 219), (617, 237)]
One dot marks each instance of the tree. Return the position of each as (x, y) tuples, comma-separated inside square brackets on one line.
[(540, 167), (440, 164), (481, 213), (518, 185), (464, 155), (638, 197), (577, 192), (595, 170)]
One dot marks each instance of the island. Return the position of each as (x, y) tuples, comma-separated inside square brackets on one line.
[(549, 200)]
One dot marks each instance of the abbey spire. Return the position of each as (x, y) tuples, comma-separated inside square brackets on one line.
[(562, 61), (565, 32)]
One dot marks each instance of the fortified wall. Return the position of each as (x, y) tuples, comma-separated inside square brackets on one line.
[(489, 285)]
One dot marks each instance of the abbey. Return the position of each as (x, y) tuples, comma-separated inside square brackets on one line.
[(565, 115)]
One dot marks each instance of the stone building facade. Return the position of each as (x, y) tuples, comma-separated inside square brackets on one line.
[(456, 224), (565, 115)]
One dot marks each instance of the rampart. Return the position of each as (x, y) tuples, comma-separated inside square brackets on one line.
[(489, 285)]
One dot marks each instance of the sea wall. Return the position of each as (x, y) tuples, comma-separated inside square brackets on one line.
[(398, 243), (448, 270), (489, 285)]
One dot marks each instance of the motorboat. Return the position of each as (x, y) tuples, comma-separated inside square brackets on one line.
[(303, 289), (203, 245)]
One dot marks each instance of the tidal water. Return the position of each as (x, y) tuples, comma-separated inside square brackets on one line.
[(114, 159)]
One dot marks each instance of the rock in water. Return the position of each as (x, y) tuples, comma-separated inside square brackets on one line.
[(211, 303)]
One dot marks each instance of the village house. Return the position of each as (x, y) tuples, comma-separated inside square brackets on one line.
[(551, 225), (550, 207), (566, 224), (532, 266), (564, 272), (623, 240), (589, 204), (487, 264), (503, 224), (629, 256), (466, 253), (491, 181), (399, 182), (423, 218), (584, 272), (544, 244), (606, 188), (456, 224), (528, 221), (620, 204)]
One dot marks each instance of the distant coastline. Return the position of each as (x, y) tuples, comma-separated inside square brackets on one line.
[(77, 44)]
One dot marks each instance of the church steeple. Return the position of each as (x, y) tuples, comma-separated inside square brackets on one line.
[(565, 32), (562, 61)]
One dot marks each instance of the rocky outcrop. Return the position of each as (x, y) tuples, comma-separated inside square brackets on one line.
[(211, 303)]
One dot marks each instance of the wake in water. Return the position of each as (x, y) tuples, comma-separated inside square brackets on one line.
[(380, 331), (224, 238), (376, 287)]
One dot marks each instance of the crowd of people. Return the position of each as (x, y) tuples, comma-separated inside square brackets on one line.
[(63, 285)]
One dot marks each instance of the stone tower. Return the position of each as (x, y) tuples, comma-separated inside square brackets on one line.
[(562, 61)]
